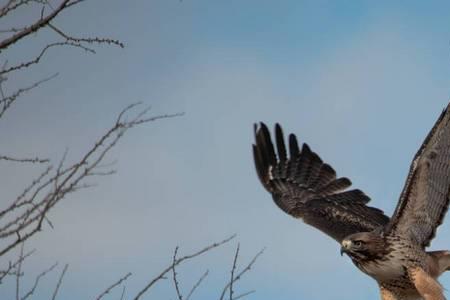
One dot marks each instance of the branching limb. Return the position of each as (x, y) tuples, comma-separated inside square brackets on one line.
[(174, 273), (42, 22), (244, 295), (110, 288), (36, 282), (197, 284), (240, 274), (44, 50), (95, 40), (123, 293), (46, 21), (12, 5), (26, 160), (33, 205), (177, 262), (19, 271), (232, 271), (58, 285), (5, 102), (12, 266)]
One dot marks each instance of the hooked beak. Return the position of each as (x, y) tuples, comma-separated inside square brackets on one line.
[(345, 246)]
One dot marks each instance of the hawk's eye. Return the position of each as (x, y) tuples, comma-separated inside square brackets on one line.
[(357, 243)]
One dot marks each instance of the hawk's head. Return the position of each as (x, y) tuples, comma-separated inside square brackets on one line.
[(364, 246)]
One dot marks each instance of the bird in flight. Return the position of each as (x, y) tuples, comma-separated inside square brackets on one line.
[(390, 250)]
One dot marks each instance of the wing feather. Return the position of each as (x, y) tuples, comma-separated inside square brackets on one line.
[(425, 198), (305, 187)]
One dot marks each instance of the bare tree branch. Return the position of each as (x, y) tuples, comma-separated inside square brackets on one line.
[(232, 271), (28, 160), (18, 274), (123, 293), (32, 28), (243, 295), (44, 50), (74, 2), (41, 198), (240, 274), (95, 40), (36, 281), (197, 284), (174, 272), (64, 39), (11, 5), (27, 213), (6, 102), (58, 285), (13, 265), (110, 288), (178, 261)]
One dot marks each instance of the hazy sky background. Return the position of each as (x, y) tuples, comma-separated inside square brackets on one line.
[(361, 82)]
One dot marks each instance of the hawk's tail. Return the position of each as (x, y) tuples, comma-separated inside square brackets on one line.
[(439, 262)]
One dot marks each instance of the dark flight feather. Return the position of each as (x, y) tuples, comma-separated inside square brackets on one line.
[(303, 186), (425, 197)]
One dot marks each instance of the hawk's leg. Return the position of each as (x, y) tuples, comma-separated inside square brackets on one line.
[(427, 286)]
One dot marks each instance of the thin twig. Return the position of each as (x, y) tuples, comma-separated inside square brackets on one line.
[(19, 270), (55, 292), (36, 281), (12, 266), (178, 261), (40, 198), (244, 294), (8, 100), (44, 50), (34, 27), (123, 293), (15, 4), (27, 160), (174, 273), (196, 285), (232, 271), (86, 40), (239, 275), (110, 288)]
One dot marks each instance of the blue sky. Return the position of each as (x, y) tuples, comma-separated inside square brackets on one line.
[(362, 83)]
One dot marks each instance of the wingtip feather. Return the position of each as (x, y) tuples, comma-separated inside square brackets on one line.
[(282, 155)]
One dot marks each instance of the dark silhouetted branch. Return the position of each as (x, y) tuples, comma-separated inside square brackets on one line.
[(232, 271), (12, 266), (244, 295), (41, 196), (177, 262), (110, 288), (95, 40), (19, 271), (58, 285), (5, 102), (197, 284), (27, 160), (32, 28), (240, 274), (123, 293), (174, 272), (44, 50), (36, 282)]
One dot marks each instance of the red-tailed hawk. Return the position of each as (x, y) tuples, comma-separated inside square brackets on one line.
[(390, 250)]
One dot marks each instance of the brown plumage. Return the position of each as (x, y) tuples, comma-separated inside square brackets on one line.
[(392, 251)]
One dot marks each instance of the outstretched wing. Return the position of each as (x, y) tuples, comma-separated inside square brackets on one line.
[(305, 187), (425, 197)]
